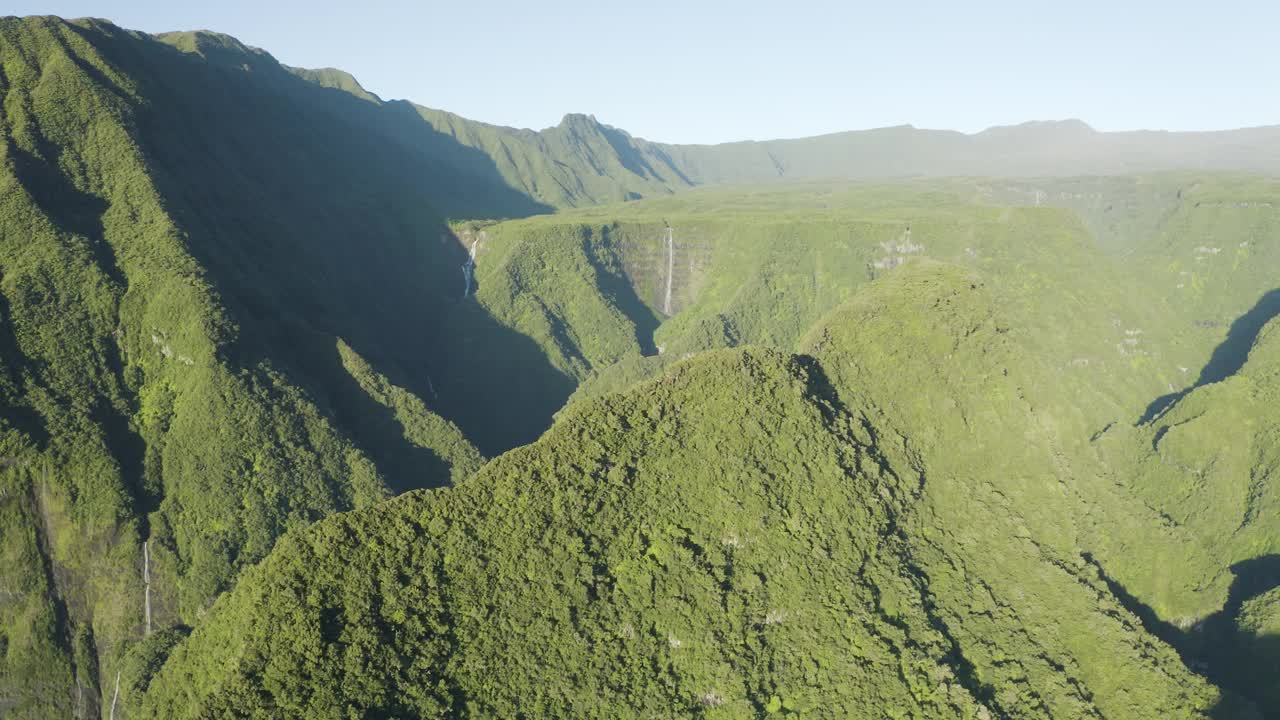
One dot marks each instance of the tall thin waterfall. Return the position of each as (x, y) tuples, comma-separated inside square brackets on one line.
[(114, 697), (146, 582), (468, 269), (671, 263)]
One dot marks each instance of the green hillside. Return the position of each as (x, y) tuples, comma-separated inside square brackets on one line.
[(497, 172), (756, 266), (996, 441), (179, 362), (1091, 336), (993, 442), (1207, 463), (645, 554), (726, 540)]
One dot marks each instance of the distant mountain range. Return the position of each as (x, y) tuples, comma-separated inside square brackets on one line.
[(583, 161), (318, 405)]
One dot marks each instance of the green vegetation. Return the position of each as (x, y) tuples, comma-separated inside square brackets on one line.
[(970, 447), (714, 543), (1080, 336), (943, 377), (148, 396)]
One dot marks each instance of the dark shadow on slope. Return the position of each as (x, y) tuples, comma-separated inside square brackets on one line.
[(129, 450), (462, 181), (21, 416), (1159, 405), (1229, 356), (1151, 622), (1243, 665), (372, 425), (73, 211), (498, 385), (1237, 659), (1232, 353), (615, 286), (227, 82), (310, 206), (79, 214), (631, 159)]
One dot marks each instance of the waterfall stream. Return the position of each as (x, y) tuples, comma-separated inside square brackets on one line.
[(671, 263), (115, 697), (469, 268), (146, 582)]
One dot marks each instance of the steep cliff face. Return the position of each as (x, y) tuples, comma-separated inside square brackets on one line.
[(237, 299), (179, 270)]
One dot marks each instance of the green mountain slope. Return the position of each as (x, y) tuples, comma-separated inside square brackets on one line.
[(504, 172), (177, 394), (237, 298), (579, 162), (714, 543), (1066, 320), (946, 382), (1099, 326), (1208, 463), (720, 541), (1111, 275)]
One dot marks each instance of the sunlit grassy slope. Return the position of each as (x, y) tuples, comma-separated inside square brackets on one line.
[(1095, 289), (971, 447), (1097, 307)]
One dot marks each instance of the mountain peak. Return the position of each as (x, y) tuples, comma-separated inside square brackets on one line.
[(579, 120), (218, 48), (1070, 126), (203, 41)]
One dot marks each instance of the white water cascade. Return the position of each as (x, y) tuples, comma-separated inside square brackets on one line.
[(468, 269), (115, 697), (146, 582), (671, 262)]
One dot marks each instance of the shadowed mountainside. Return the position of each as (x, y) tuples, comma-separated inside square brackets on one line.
[(232, 306)]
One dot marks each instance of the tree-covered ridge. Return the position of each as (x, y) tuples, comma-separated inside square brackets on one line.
[(624, 501), (582, 161), (577, 163), (175, 394), (1208, 463), (472, 169), (1013, 520), (717, 543), (1096, 330), (761, 266), (231, 306), (1088, 336), (1032, 149)]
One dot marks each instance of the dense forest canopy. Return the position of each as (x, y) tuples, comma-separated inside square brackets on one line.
[(318, 405)]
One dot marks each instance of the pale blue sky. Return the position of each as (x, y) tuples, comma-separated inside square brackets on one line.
[(714, 71)]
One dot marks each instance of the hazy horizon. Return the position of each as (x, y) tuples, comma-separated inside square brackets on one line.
[(725, 73), (315, 406)]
